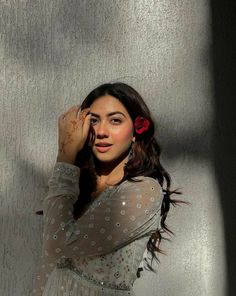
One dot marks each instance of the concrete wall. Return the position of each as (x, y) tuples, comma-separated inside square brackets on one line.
[(52, 53)]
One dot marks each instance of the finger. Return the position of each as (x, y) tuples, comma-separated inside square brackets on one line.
[(85, 110), (69, 113), (62, 118), (86, 125), (84, 121), (71, 110), (80, 113), (78, 110), (83, 113)]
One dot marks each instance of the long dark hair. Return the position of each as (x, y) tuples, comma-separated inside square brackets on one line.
[(145, 159)]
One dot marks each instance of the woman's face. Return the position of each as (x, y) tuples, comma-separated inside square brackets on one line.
[(113, 128)]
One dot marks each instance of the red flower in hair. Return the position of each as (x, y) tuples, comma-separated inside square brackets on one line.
[(141, 125)]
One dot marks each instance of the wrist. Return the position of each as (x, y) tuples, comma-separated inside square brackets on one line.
[(65, 158)]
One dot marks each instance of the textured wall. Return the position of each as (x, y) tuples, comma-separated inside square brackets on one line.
[(52, 53)]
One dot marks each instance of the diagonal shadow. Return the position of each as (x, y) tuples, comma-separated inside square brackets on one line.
[(31, 42), (43, 33), (224, 142)]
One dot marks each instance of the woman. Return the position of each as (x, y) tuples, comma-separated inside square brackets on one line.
[(106, 203)]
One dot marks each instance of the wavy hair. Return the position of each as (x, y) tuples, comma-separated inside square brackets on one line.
[(144, 160)]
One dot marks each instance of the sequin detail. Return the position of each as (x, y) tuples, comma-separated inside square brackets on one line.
[(118, 221), (68, 263), (71, 172)]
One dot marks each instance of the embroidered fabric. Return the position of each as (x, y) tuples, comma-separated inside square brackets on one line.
[(106, 244), (68, 263)]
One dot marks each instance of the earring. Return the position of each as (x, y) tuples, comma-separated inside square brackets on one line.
[(131, 152)]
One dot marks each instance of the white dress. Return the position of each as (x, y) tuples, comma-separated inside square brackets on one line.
[(98, 254)]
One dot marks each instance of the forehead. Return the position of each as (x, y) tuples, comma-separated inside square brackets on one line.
[(107, 104)]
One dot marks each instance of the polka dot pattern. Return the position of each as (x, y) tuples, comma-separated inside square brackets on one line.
[(117, 218)]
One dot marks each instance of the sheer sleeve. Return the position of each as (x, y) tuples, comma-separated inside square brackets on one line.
[(44, 270), (114, 219)]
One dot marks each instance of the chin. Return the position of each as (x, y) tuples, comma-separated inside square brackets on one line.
[(105, 158)]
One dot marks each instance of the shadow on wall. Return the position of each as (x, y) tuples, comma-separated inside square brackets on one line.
[(224, 140), (42, 33), (52, 34)]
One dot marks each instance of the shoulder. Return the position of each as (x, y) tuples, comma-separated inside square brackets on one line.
[(141, 183)]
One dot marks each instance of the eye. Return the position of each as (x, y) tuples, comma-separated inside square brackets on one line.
[(93, 121), (116, 120)]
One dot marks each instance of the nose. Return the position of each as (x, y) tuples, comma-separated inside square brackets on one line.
[(102, 130)]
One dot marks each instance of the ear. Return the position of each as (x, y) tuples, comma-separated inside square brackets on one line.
[(133, 139)]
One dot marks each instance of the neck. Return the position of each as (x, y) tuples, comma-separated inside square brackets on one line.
[(111, 171)]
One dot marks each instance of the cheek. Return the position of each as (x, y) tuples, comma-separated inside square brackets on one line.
[(123, 135)]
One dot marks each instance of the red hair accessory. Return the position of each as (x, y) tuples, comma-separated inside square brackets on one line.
[(141, 125)]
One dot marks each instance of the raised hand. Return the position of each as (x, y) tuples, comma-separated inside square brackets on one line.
[(73, 128)]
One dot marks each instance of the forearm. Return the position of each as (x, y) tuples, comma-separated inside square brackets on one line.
[(62, 194), (61, 157)]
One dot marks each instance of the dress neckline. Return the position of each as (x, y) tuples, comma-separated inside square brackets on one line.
[(105, 193)]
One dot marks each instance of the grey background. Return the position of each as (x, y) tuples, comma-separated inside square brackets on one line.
[(52, 53)]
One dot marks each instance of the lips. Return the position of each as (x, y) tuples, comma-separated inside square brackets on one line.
[(103, 144), (103, 147)]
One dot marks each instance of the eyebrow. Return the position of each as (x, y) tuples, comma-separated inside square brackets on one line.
[(109, 114)]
